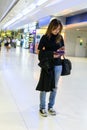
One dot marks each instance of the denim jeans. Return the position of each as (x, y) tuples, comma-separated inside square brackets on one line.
[(57, 70)]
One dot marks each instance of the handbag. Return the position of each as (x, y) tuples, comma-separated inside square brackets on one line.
[(66, 67)]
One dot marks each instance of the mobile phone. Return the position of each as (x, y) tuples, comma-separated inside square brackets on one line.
[(61, 52)]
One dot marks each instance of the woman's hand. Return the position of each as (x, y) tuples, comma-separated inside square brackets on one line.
[(56, 55), (61, 49)]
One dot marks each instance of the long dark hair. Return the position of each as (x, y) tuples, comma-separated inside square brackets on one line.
[(52, 26)]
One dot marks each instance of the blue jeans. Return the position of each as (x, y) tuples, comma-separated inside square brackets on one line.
[(57, 70)]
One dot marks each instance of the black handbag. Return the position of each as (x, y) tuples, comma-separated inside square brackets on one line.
[(66, 67)]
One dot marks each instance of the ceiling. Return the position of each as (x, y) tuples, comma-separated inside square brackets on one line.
[(16, 13), (5, 7)]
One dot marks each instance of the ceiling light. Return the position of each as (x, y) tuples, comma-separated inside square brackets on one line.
[(34, 12), (54, 2), (13, 20), (29, 9), (40, 2), (77, 29)]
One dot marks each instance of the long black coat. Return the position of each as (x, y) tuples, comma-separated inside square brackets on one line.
[(47, 79)]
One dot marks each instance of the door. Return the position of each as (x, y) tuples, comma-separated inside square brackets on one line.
[(81, 47)]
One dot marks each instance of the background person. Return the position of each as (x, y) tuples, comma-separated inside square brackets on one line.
[(8, 43)]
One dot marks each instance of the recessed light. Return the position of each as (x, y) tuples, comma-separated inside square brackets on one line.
[(77, 29)]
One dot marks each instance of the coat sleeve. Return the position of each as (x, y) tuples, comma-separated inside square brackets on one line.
[(42, 42), (45, 55)]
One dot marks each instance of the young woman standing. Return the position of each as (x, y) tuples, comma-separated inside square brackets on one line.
[(52, 44)]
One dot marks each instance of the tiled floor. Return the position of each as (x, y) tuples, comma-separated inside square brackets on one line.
[(19, 101)]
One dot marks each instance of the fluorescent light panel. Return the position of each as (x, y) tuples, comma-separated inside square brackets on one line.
[(53, 3), (13, 20), (26, 11), (31, 7), (40, 2)]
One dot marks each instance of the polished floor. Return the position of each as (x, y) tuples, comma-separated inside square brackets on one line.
[(19, 101)]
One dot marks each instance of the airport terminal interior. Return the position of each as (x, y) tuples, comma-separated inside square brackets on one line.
[(24, 22)]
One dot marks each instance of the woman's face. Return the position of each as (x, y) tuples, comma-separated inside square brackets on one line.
[(56, 31)]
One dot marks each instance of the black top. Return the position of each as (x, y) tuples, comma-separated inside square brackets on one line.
[(51, 45)]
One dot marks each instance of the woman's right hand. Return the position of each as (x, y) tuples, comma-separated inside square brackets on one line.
[(56, 55)]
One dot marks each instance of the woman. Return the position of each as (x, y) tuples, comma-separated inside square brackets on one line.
[(51, 46)]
